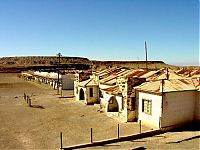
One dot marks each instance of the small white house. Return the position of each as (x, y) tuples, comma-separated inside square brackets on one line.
[(87, 91), (167, 104)]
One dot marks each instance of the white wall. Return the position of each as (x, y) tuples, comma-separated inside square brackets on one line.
[(106, 98), (88, 99), (153, 119), (178, 108), (76, 91), (121, 115)]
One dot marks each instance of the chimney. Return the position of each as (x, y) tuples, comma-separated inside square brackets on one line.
[(167, 74), (162, 85)]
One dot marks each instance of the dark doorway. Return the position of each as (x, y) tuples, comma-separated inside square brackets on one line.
[(113, 105), (81, 95)]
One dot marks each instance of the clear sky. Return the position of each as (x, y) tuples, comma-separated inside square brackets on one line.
[(102, 29)]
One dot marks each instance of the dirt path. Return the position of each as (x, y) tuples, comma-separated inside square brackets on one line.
[(39, 127)]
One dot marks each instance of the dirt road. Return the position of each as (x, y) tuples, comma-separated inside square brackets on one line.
[(39, 127)]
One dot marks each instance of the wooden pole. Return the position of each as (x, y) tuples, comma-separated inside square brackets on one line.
[(24, 97), (91, 136), (27, 97), (29, 102), (61, 91), (146, 53), (159, 122), (58, 85), (118, 131), (140, 126), (61, 144), (162, 93)]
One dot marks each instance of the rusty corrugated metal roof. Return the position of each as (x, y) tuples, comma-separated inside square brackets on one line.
[(113, 90), (89, 82), (111, 79), (168, 85)]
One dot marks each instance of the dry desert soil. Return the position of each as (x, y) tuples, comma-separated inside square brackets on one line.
[(39, 126)]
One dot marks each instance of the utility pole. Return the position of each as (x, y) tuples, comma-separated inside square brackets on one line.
[(58, 84), (146, 52)]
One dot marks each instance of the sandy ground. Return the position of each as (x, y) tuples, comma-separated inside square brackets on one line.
[(39, 127)]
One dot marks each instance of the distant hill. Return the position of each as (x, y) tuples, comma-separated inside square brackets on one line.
[(41, 60), (130, 64), (17, 64)]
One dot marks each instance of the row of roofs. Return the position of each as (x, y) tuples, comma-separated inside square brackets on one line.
[(157, 81), (110, 76), (162, 80)]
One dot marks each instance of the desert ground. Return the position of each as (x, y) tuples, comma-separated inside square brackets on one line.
[(39, 126)]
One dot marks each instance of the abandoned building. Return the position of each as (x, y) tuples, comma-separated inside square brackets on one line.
[(160, 99), (87, 91), (168, 103), (114, 89), (51, 78)]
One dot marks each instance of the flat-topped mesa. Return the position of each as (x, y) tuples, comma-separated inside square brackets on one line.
[(132, 64), (126, 62), (42, 60)]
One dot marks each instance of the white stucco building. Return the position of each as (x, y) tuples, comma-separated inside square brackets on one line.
[(167, 104), (87, 91)]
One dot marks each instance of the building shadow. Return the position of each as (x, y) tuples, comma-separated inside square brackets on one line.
[(66, 97), (37, 106), (195, 137), (190, 127), (139, 148)]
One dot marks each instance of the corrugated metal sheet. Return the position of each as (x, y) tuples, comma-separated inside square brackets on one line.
[(89, 82), (168, 86), (148, 74), (113, 90)]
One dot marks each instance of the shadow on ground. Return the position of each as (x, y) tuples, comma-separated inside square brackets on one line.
[(189, 127), (195, 137), (66, 97), (37, 106)]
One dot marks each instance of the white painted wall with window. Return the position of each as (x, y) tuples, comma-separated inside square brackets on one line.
[(150, 109)]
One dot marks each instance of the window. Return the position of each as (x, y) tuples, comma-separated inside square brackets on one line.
[(146, 106), (91, 92)]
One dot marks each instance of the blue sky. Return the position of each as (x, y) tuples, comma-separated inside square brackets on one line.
[(102, 29)]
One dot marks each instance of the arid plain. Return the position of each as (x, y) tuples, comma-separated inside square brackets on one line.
[(39, 127)]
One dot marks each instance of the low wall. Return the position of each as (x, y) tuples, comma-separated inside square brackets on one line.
[(114, 140)]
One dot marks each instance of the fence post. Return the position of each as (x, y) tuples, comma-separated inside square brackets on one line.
[(118, 131), (140, 122), (159, 122), (29, 100), (24, 97), (61, 92), (91, 136), (27, 97), (61, 144)]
